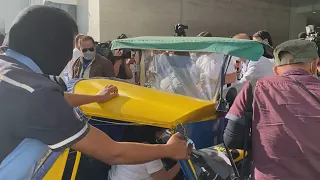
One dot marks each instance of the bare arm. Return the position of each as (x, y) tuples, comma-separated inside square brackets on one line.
[(104, 95), (127, 70), (168, 175), (100, 146), (79, 99), (230, 78)]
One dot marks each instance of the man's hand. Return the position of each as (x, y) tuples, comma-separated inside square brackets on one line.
[(178, 147), (130, 61), (118, 52), (107, 93)]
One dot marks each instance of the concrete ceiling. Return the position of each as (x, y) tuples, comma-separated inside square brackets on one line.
[(293, 3), (297, 3)]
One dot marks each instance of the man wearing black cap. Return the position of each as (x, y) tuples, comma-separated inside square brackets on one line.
[(34, 115)]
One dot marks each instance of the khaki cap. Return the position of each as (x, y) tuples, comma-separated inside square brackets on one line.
[(295, 51)]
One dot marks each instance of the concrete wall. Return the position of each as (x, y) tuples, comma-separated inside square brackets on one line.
[(106, 19), (299, 17), (36, 2), (71, 2), (139, 17), (220, 17), (298, 22), (88, 17), (9, 10)]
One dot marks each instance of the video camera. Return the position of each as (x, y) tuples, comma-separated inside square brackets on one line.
[(104, 49), (179, 29), (126, 53), (313, 34)]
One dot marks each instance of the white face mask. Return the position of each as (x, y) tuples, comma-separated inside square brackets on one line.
[(89, 55)]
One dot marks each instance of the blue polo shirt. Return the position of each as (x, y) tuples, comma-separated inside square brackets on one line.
[(29, 149), (34, 111)]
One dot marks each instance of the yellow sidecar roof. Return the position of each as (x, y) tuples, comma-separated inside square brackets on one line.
[(145, 106)]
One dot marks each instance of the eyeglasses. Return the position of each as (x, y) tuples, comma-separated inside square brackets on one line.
[(88, 49)]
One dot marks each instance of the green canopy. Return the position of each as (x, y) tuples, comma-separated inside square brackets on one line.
[(251, 50)]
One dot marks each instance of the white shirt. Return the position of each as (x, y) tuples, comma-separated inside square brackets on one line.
[(257, 69), (67, 71), (135, 172), (210, 65)]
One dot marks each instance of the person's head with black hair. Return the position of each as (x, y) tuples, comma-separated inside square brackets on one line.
[(302, 35), (204, 34), (46, 35), (241, 36), (263, 36), (144, 134)]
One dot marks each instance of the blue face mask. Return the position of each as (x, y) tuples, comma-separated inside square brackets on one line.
[(89, 55)]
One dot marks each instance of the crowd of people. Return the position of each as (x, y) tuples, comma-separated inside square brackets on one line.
[(197, 74), (87, 63), (279, 102), (42, 117)]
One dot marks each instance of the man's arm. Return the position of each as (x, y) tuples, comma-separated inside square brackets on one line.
[(127, 70), (251, 73), (230, 78), (79, 99), (235, 130), (103, 96), (100, 146), (48, 117), (231, 75)]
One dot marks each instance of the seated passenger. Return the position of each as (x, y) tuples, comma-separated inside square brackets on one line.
[(179, 79), (153, 170)]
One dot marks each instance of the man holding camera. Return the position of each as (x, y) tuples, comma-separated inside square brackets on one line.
[(122, 62)]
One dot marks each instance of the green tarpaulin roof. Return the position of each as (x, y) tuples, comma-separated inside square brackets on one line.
[(251, 50)]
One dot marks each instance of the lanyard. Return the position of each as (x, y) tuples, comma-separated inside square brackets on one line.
[(84, 68)]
